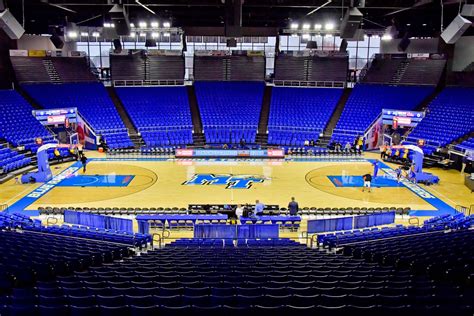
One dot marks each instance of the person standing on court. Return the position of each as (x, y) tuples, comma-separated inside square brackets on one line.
[(84, 163), (376, 167), (259, 208), (367, 180), (293, 207)]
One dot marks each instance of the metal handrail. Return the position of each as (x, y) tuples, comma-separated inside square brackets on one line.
[(414, 221), (313, 240), (48, 221), (159, 239)]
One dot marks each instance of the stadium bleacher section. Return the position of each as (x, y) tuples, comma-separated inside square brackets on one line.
[(229, 111), (161, 114), (468, 144), (299, 114), (92, 102), (217, 276), (52, 69), (449, 116), (17, 123), (11, 160), (400, 70), (366, 102)]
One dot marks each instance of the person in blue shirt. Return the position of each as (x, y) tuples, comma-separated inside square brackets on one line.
[(398, 172), (293, 207), (376, 167), (259, 208)]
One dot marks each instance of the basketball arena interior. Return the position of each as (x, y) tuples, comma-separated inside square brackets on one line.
[(236, 157)]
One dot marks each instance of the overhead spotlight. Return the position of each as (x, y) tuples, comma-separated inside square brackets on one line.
[(84, 34), (132, 24), (306, 36), (408, 24), (318, 26), (95, 34), (306, 26), (329, 26), (424, 24), (112, 24), (328, 35), (142, 34), (166, 24), (142, 25), (294, 26), (154, 24), (387, 37), (155, 35), (166, 34), (72, 34), (107, 25), (133, 34)]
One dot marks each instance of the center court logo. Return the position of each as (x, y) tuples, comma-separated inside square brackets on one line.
[(228, 180)]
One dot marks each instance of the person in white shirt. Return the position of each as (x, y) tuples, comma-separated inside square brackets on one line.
[(239, 211)]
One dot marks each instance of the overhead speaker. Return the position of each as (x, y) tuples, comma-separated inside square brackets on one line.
[(350, 23), (231, 42), (468, 10), (233, 18), (120, 19), (343, 47), (455, 29), (312, 45), (150, 43), (10, 25), (404, 43), (117, 45)]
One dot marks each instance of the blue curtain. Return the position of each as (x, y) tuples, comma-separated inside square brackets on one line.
[(214, 231), (329, 225), (143, 227), (257, 231), (236, 231), (376, 219), (99, 221)]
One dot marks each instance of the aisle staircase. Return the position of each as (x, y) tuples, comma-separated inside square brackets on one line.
[(262, 136), (328, 130), (198, 136), (397, 76), (135, 137), (51, 70)]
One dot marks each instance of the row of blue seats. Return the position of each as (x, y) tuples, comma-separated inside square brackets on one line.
[(17, 124), (291, 138), (340, 239), (230, 135), (136, 240), (167, 138)]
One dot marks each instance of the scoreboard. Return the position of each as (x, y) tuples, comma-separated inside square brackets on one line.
[(230, 153), (56, 116), (401, 117)]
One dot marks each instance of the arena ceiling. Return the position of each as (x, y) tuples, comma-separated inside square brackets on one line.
[(419, 17)]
